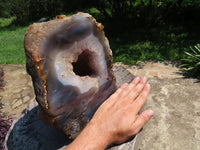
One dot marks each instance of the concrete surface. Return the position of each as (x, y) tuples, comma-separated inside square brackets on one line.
[(176, 123)]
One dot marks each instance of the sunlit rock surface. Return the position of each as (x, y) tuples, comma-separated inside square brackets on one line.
[(70, 62)]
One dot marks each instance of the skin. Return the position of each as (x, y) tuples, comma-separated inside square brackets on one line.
[(117, 118)]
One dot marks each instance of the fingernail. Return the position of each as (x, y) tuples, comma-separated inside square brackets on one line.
[(150, 113), (144, 79), (137, 78), (124, 85), (148, 86)]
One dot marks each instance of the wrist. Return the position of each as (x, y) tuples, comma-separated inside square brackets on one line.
[(93, 137), (101, 136)]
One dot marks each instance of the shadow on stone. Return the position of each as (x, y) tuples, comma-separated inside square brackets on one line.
[(30, 133)]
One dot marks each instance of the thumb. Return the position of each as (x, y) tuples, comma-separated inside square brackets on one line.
[(142, 119)]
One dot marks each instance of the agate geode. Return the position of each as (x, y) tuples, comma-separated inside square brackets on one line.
[(70, 62)]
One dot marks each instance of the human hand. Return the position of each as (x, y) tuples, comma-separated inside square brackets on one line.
[(117, 117), (116, 120)]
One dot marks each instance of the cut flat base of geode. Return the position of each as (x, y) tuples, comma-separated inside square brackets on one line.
[(70, 62)]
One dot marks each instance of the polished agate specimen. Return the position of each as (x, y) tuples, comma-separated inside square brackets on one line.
[(70, 62)]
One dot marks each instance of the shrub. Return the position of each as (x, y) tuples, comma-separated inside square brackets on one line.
[(192, 62), (26, 11), (5, 123), (5, 120)]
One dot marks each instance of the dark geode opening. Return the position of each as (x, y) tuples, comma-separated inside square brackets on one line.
[(85, 65)]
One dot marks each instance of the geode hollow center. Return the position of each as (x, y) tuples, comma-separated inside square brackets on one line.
[(70, 62)]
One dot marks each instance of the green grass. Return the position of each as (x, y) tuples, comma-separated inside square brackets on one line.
[(11, 43), (4, 22), (129, 43)]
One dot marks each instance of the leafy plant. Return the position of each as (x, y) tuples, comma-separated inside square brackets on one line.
[(192, 62), (5, 123), (5, 119)]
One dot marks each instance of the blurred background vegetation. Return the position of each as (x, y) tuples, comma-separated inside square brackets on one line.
[(138, 30)]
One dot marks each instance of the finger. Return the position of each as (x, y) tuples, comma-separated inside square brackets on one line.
[(123, 86), (134, 82), (135, 92), (141, 120), (119, 90), (131, 86), (141, 99)]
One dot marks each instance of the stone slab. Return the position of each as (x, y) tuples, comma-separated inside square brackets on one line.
[(176, 123), (17, 87)]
